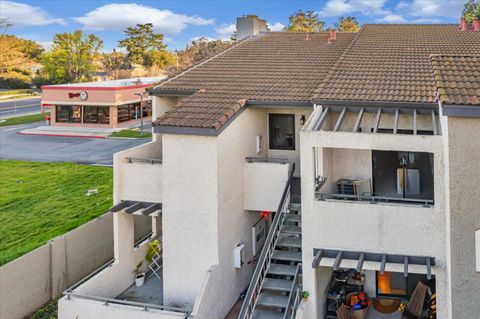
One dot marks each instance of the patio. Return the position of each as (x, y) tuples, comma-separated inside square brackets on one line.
[(151, 292)]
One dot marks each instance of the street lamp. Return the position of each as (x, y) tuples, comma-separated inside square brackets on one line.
[(143, 94)]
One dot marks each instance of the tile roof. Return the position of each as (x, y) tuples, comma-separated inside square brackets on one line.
[(276, 66), (391, 63), (457, 79)]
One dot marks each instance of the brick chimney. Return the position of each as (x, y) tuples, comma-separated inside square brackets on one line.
[(463, 24), (476, 24), (332, 36)]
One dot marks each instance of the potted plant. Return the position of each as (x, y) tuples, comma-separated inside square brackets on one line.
[(304, 295), (139, 275)]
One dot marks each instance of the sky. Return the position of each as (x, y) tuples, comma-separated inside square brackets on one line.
[(183, 20)]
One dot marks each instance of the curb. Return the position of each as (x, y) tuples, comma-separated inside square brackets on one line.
[(62, 135)]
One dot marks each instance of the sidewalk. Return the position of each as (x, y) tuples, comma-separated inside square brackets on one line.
[(71, 131)]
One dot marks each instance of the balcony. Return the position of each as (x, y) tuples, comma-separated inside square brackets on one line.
[(264, 180), (138, 173)]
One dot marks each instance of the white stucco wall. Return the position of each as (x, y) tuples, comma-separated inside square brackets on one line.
[(138, 181), (263, 185), (355, 226)]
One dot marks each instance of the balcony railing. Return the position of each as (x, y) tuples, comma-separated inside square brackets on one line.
[(253, 159), (376, 199), (152, 161)]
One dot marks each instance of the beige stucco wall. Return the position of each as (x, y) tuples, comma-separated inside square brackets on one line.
[(29, 281), (138, 181), (355, 226), (462, 158)]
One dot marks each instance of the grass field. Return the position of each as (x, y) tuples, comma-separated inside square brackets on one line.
[(24, 119), (39, 201), (132, 133)]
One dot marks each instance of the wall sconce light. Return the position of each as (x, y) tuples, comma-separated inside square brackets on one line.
[(302, 120)]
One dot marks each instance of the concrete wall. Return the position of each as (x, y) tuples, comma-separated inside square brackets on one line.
[(263, 185), (462, 159), (43, 274), (138, 181), (356, 226)]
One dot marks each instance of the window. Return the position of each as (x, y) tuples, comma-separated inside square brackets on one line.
[(282, 131), (396, 285), (129, 112), (68, 114), (96, 114)]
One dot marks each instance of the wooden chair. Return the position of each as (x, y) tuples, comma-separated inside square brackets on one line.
[(344, 313)]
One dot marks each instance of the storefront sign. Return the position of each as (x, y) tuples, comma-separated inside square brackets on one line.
[(82, 95)]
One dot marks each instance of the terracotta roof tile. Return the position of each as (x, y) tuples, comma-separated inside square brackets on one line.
[(392, 63), (273, 67), (457, 78)]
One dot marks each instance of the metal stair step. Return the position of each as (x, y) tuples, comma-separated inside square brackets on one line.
[(269, 299), (295, 206), (293, 218), (289, 242), (287, 255), (265, 314), (291, 230), (282, 270), (277, 284)]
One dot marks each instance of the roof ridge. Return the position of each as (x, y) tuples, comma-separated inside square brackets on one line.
[(211, 58), (339, 61)]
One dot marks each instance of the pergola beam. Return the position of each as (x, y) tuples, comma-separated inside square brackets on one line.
[(317, 258), (120, 206), (395, 121), (434, 123), (383, 264), (429, 269), (134, 207), (377, 120), (405, 266), (361, 259), (338, 260), (340, 119), (322, 119), (151, 209), (415, 122), (359, 119)]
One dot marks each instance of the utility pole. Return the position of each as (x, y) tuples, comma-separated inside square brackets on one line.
[(141, 109)]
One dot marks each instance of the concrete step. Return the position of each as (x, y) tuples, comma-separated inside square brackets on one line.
[(289, 242), (287, 255), (291, 230), (277, 284), (293, 218), (282, 270), (269, 299), (265, 314), (295, 206)]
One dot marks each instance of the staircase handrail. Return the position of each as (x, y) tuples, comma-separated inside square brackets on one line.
[(263, 261), (294, 296)]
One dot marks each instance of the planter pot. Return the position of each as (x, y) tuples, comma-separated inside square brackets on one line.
[(140, 279)]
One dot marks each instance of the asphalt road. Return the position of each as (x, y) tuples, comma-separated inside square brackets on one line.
[(20, 106), (60, 149)]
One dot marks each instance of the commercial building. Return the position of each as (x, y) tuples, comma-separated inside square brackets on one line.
[(112, 104), (305, 171)]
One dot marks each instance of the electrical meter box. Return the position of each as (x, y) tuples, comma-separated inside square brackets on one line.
[(239, 256)]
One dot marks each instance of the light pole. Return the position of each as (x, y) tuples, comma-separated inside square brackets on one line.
[(141, 109)]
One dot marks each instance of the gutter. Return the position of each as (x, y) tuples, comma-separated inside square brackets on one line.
[(411, 105)]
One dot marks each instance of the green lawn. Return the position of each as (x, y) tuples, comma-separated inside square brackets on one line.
[(131, 133), (39, 201), (24, 119)]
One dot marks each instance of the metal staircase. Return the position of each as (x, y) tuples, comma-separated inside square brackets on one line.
[(274, 291)]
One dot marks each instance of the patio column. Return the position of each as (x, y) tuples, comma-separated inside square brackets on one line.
[(123, 233)]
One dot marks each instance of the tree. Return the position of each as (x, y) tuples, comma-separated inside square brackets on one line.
[(158, 59), (17, 58), (347, 24), (72, 56), (304, 22), (141, 40), (4, 25), (115, 62), (471, 9)]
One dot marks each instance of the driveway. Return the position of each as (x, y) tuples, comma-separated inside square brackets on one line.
[(19, 106), (60, 149)]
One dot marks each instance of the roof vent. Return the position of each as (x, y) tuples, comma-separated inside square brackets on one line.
[(463, 24), (476, 24), (332, 37)]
